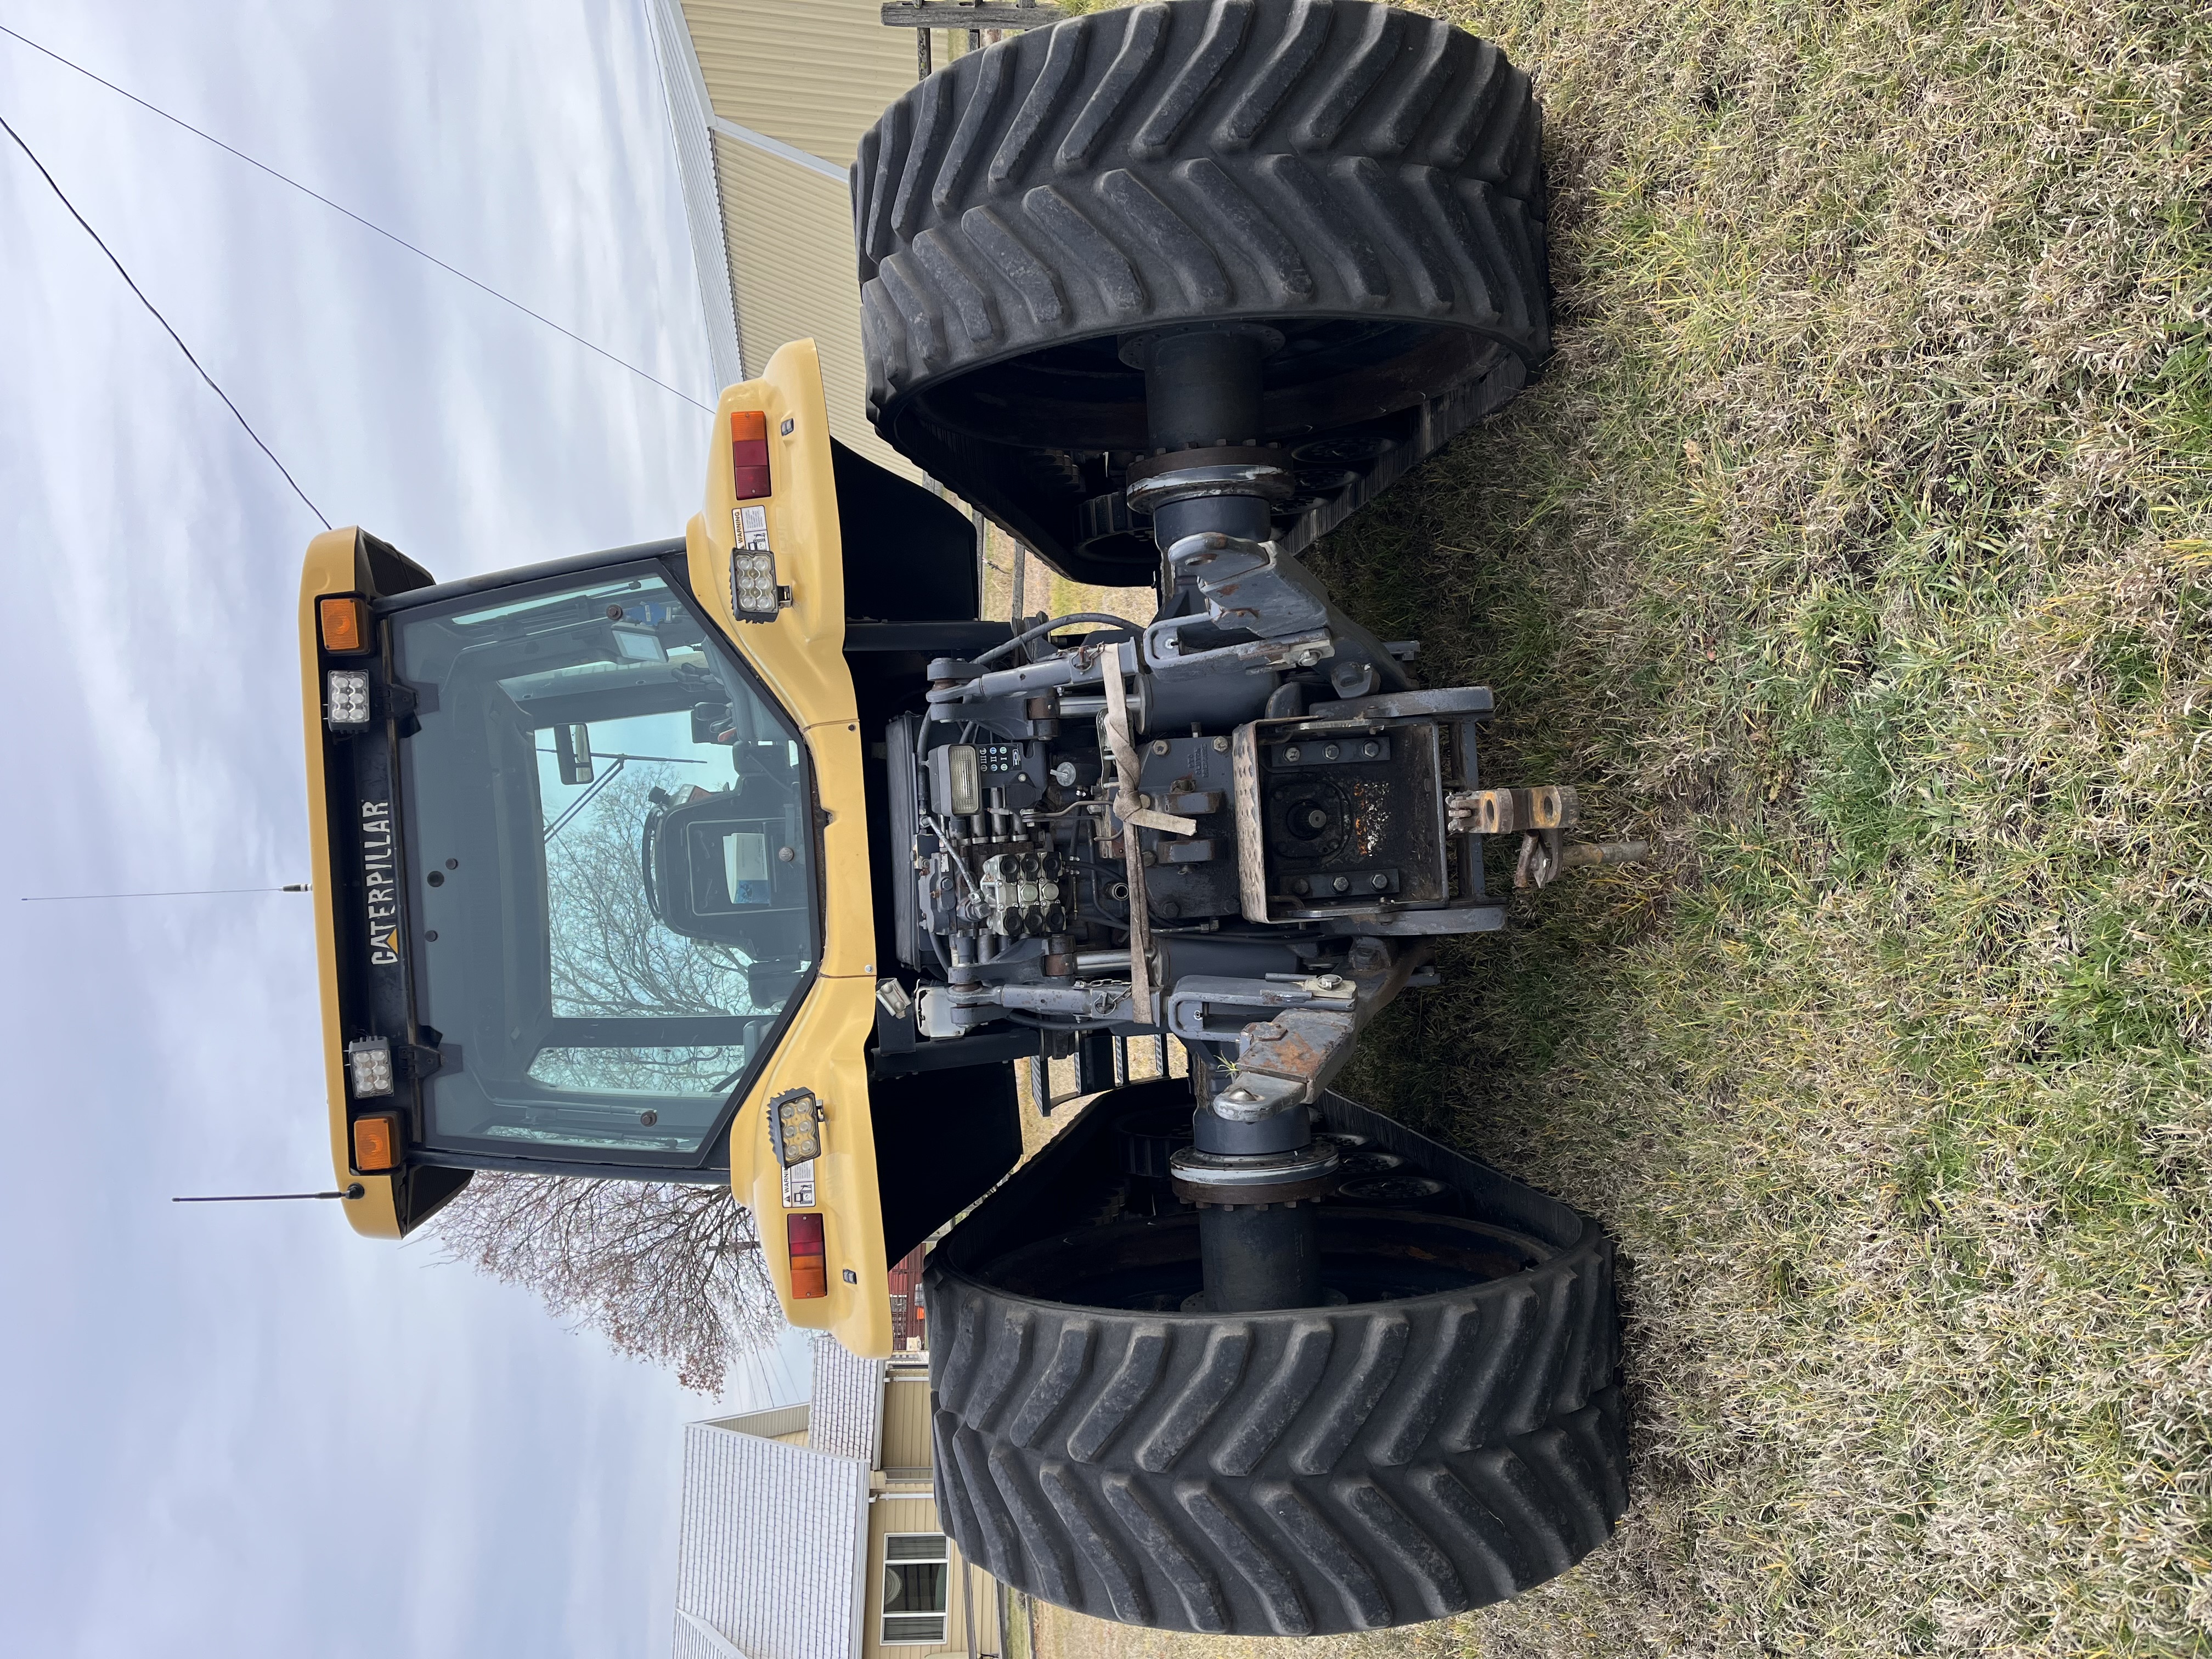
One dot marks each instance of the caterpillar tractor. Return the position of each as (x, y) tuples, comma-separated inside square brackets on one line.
[(757, 856)]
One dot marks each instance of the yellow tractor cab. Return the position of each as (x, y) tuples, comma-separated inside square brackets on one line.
[(591, 861)]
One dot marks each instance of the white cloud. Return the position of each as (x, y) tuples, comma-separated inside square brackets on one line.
[(243, 1430)]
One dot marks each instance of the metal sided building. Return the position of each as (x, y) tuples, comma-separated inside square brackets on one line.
[(810, 1532), (769, 101)]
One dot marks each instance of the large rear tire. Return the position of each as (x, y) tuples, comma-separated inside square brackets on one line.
[(1447, 1434), (1365, 182)]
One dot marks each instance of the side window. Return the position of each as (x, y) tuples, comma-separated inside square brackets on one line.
[(917, 1576)]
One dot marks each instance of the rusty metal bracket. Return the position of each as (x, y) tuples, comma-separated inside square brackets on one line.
[(1542, 815), (1293, 1032), (1294, 1054), (1501, 811)]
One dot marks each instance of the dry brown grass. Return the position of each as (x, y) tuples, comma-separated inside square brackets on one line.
[(1059, 1634), (1858, 545)]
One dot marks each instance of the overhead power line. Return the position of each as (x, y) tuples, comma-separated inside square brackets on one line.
[(155, 312), (366, 224), (180, 892)]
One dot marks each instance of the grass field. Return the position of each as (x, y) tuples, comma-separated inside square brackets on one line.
[(1858, 547)]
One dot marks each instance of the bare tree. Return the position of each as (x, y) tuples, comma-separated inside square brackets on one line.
[(611, 957), (667, 1274)]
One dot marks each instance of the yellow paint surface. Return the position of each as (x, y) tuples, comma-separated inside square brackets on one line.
[(334, 565), (800, 653)]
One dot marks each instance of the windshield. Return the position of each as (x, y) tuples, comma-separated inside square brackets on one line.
[(609, 845)]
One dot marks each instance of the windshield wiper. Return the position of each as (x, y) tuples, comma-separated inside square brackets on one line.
[(664, 760), (608, 777), (587, 797)]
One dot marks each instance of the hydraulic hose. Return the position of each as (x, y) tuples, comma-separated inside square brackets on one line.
[(996, 652)]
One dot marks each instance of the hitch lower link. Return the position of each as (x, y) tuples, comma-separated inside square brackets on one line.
[(1543, 815)]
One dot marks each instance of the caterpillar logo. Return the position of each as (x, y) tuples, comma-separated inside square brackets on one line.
[(379, 881)]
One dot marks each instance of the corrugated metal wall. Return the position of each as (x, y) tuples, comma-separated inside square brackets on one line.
[(790, 235), (815, 73), (688, 113), (814, 76)]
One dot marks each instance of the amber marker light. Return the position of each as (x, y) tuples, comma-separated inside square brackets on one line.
[(346, 623), (376, 1143), (810, 1270)]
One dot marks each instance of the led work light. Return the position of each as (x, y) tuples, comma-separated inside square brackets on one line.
[(369, 1060), (754, 594), (346, 700), (795, 1124)]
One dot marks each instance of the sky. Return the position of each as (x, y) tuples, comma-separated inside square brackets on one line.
[(241, 1429)]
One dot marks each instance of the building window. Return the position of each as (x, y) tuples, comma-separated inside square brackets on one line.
[(916, 1575)]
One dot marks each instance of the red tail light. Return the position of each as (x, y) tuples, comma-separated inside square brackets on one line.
[(749, 453), (810, 1266)]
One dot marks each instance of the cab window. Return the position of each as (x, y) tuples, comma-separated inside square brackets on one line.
[(611, 854)]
